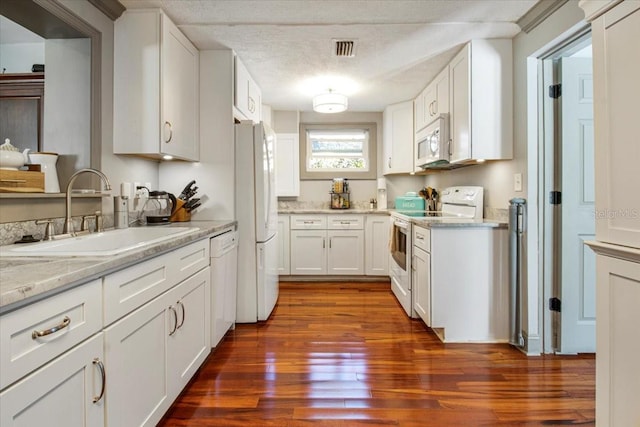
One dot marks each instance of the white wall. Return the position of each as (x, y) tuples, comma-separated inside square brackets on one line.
[(20, 57)]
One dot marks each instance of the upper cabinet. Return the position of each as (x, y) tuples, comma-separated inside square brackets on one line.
[(481, 101), (287, 165), (156, 85), (397, 138), (432, 101), (248, 97)]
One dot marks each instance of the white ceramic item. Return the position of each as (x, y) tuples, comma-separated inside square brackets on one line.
[(11, 157), (47, 162)]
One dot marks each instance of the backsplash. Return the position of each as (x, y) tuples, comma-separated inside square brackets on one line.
[(287, 205), (11, 232)]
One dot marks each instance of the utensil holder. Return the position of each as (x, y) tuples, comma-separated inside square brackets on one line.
[(180, 214)]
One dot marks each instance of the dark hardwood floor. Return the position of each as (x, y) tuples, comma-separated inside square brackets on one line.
[(346, 354)]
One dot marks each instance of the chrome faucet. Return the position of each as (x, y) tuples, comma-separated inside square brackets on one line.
[(68, 224)]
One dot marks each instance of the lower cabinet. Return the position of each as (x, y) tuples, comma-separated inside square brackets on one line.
[(66, 392), (421, 273), (327, 244), (376, 243), (152, 352), (283, 245)]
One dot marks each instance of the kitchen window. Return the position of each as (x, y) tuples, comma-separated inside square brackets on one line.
[(339, 150)]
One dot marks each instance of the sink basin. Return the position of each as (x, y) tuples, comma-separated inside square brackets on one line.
[(100, 244)]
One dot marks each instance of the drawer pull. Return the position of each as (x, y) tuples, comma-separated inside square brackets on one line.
[(419, 237), (183, 313), (175, 320), (65, 322), (308, 222), (345, 222), (100, 365)]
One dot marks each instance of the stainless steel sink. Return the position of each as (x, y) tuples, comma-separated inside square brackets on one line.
[(106, 243)]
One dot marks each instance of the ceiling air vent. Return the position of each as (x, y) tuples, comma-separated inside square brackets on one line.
[(344, 48)]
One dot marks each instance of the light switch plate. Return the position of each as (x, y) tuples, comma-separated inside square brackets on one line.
[(517, 181)]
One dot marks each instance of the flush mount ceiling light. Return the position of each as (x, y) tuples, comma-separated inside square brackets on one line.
[(330, 102)]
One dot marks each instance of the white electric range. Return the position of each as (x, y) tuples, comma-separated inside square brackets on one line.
[(458, 204)]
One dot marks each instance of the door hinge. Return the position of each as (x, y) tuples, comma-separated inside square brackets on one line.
[(555, 197), (554, 304), (555, 91)]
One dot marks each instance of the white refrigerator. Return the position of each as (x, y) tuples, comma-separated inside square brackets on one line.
[(257, 216)]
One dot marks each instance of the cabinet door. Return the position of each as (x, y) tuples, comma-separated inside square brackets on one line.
[(616, 93), (420, 110), (376, 240), (241, 94), (398, 120), (346, 252), (460, 106), (189, 336), (308, 252), (254, 101), (422, 284), (287, 165), (136, 357), (180, 80), (61, 393), (441, 91), (284, 267)]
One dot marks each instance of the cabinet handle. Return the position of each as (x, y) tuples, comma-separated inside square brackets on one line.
[(175, 320), (345, 222), (308, 222), (329, 243), (450, 144), (167, 125), (183, 314), (65, 322), (389, 162), (435, 107), (252, 105), (323, 243), (103, 376)]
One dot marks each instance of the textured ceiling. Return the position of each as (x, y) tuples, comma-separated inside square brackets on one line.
[(401, 44)]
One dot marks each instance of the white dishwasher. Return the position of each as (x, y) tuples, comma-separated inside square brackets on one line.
[(224, 283)]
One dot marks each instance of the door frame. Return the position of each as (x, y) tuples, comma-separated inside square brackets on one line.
[(549, 179)]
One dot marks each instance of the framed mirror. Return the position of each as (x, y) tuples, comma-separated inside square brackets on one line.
[(65, 117)]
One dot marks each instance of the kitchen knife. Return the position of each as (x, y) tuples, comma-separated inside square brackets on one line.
[(190, 209), (186, 190), (192, 192), (190, 203)]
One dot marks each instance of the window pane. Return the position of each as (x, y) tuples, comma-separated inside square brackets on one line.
[(338, 150)]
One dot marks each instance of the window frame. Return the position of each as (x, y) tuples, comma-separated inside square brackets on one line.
[(371, 150)]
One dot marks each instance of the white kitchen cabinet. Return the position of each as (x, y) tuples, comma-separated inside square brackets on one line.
[(156, 86), (616, 68), (376, 243), (327, 244), (432, 101), (284, 266), (287, 165), (248, 96), (152, 352), (481, 101), (397, 138), (346, 252), (308, 252), (421, 274), (189, 344), (67, 392), (470, 289)]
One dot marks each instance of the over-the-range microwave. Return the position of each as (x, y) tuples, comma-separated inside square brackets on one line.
[(432, 143)]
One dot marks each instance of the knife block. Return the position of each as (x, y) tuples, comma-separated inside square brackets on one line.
[(180, 214)]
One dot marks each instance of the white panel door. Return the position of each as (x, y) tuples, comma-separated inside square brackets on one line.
[(346, 252), (376, 241), (577, 314), (308, 252), (61, 394), (288, 165), (283, 245), (421, 284)]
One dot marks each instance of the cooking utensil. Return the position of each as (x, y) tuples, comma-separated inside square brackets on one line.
[(190, 203), (192, 208)]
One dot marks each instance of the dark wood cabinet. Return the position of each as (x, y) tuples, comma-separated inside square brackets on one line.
[(22, 109)]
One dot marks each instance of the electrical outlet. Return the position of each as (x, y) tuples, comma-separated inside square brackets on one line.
[(517, 181)]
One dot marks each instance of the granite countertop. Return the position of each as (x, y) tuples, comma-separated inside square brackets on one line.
[(26, 279), (288, 211)]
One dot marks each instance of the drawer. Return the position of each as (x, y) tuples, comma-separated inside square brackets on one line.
[(422, 238), (128, 289), (69, 318), (345, 222), (308, 222)]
